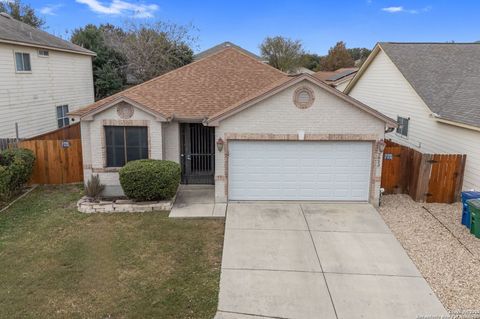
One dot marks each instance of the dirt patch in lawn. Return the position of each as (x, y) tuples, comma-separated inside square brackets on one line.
[(446, 254), (59, 263)]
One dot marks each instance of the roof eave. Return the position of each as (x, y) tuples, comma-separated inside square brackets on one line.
[(363, 68), (459, 124), (36, 45), (89, 116)]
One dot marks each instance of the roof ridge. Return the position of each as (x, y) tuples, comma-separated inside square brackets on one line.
[(196, 62), (257, 61)]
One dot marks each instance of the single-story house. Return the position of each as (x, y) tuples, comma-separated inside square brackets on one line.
[(250, 129), (338, 79), (433, 90)]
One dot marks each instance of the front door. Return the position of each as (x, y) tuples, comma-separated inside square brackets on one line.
[(198, 153)]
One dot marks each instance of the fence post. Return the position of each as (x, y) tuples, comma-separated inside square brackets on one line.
[(423, 178)]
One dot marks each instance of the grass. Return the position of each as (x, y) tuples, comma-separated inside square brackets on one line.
[(58, 263)]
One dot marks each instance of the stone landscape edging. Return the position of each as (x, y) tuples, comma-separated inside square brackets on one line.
[(85, 205)]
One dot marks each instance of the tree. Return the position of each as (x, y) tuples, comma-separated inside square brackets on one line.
[(109, 65), (359, 55), (338, 57), (311, 61), (282, 53), (22, 12), (152, 49)]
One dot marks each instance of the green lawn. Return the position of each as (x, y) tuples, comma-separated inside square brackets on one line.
[(58, 263)]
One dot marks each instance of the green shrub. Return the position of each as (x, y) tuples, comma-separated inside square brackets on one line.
[(16, 167), (150, 179)]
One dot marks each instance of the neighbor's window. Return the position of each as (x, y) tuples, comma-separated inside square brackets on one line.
[(402, 128), (62, 117), (43, 53), (22, 62), (125, 143)]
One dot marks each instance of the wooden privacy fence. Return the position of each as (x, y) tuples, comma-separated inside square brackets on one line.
[(432, 178), (58, 156)]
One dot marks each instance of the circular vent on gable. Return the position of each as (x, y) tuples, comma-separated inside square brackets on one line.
[(303, 97), (125, 111)]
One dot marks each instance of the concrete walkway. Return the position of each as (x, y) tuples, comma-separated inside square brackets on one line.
[(317, 261), (195, 201)]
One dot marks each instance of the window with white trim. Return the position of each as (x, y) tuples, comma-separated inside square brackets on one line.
[(62, 117), (43, 53), (22, 62), (402, 128)]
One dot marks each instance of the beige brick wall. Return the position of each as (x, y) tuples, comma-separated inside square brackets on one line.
[(328, 116), (171, 148), (93, 144)]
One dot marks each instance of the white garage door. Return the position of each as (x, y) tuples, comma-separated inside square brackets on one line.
[(299, 170)]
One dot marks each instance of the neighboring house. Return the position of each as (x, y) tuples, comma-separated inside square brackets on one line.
[(301, 70), (253, 131), (433, 89), (42, 78), (338, 79)]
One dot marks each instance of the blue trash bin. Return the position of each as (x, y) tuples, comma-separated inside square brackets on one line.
[(465, 212)]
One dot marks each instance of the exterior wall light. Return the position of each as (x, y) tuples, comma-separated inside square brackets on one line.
[(220, 144), (381, 146)]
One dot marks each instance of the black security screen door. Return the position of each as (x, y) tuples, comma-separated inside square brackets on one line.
[(198, 154)]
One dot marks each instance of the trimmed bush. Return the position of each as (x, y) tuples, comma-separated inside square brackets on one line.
[(16, 167), (145, 180)]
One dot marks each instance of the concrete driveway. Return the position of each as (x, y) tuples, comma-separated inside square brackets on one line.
[(317, 261)]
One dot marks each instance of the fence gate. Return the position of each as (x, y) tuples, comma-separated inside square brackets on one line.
[(392, 163), (58, 156), (446, 178), (434, 178)]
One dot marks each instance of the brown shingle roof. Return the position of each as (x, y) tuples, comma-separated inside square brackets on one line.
[(202, 88), (14, 31)]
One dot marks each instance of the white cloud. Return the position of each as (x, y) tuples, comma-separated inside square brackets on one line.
[(120, 7), (393, 9), (399, 9), (50, 9)]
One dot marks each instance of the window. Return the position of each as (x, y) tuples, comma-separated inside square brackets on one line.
[(124, 144), (43, 53), (62, 117), (22, 62), (402, 128)]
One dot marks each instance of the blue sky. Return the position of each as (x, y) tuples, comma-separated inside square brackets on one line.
[(318, 24)]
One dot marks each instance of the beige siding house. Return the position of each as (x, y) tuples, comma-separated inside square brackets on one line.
[(254, 132), (433, 89), (42, 78)]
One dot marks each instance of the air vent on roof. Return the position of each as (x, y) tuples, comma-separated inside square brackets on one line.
[(6, 15)]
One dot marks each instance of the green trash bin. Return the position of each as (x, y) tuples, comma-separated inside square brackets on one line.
[(474, 208)]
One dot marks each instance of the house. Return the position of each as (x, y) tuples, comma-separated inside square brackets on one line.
[(250, 129), (432, 89), (338, 79), (42, 78)]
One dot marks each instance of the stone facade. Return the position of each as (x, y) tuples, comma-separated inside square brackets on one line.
[(84, 205)]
